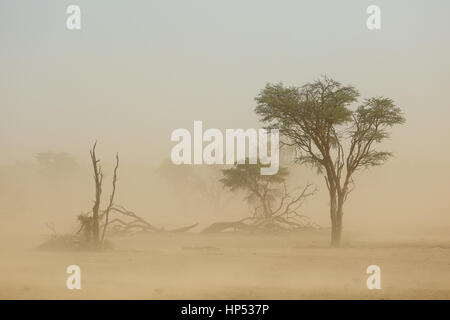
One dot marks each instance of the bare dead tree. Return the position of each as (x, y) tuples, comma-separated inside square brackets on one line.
[(111, 198), (93, 221), (96, 219), (98, 178), (286, 212), (285, 216)]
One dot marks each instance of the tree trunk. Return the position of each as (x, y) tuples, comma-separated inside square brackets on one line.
[(333, 216), (336, 223), (336, 208), (98, 178), (95, 224)]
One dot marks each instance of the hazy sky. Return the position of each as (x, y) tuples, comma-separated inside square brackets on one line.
[(139, 69)]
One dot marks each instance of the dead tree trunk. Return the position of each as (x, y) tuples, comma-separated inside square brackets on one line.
[(98, 178), (111, 198)]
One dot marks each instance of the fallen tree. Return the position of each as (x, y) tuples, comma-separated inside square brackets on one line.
[(256, 225), (275, 208), (136, 224)]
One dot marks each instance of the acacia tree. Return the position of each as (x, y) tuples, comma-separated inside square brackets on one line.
[(274, 206), (317, 120), (261, 189)]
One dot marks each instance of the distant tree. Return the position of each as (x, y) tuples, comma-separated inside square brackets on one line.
[(200, 180), (56, 165), (180, 178), (327, 134)]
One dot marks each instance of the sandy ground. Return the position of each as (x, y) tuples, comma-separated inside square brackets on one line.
[(195, 266)]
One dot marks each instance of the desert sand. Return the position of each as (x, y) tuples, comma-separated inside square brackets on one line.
[(231, 266)]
